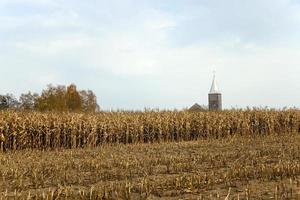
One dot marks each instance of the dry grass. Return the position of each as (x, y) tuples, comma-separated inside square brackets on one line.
[(260, 167)]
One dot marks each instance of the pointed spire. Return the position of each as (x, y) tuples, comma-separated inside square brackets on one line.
[(214, 87)]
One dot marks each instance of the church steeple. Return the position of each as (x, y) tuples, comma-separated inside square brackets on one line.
[(214, 86), (214, 96)]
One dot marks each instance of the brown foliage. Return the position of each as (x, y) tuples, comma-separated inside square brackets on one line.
[(60, 99)]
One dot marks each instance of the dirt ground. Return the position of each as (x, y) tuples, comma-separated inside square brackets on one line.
[(265, 167)]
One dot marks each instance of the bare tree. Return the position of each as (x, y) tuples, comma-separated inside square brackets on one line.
[(28, 101)]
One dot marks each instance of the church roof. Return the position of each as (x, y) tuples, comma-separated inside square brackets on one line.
[(214, 87), (197, 107)]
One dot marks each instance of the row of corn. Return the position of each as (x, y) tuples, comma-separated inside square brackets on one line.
[(33, 130)]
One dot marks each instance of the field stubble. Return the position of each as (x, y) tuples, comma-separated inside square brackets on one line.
[(260, 167)]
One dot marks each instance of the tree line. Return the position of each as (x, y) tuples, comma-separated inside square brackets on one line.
[(53, 98)]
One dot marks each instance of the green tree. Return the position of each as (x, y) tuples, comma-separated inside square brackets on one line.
[(52, 99), (62, 98)]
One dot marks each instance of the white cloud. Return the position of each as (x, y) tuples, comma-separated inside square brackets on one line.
[(170, 52), (27, 2)]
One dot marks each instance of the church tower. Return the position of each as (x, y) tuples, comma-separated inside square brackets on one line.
[(215, 97)]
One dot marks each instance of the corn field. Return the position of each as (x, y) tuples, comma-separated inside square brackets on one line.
[(32, 130)]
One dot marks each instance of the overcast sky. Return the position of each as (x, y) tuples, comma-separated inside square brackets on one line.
[(155, 53)]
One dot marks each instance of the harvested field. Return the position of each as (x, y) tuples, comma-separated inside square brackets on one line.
[(254, 167)]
